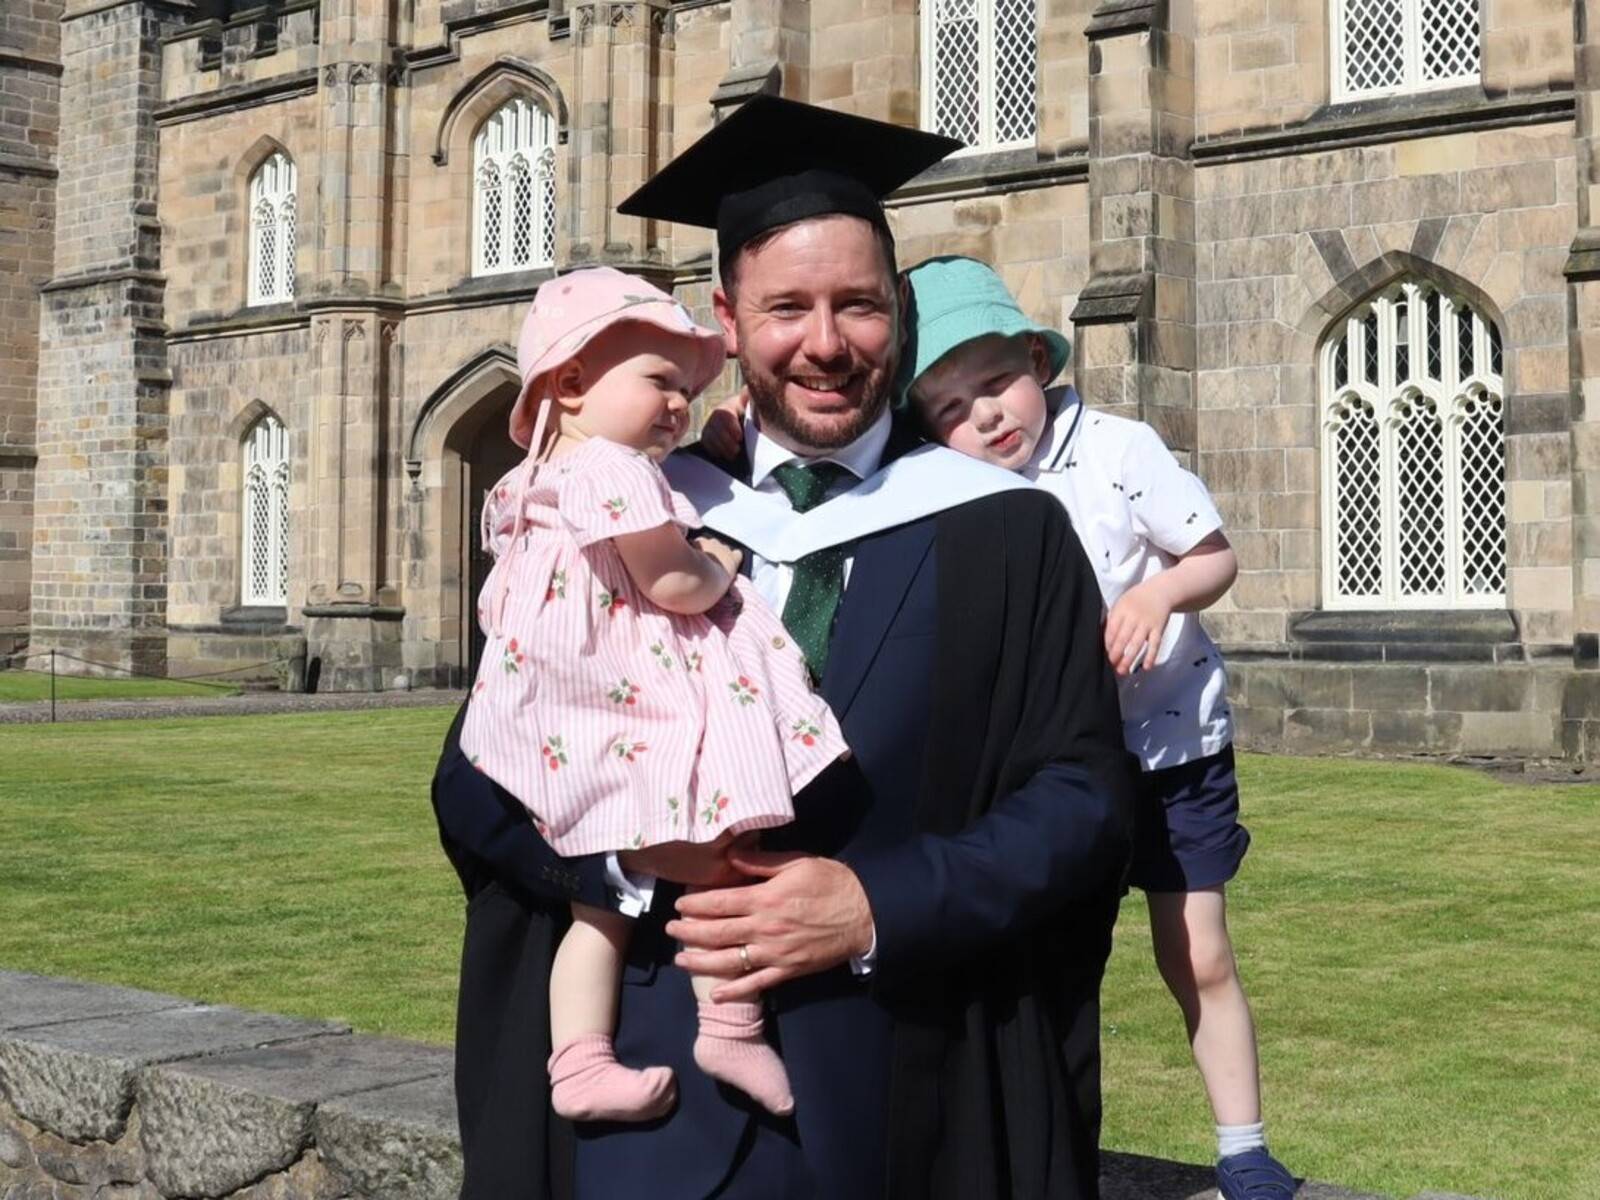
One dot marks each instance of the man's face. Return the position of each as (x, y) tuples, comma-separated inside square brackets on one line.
[(815, 322)]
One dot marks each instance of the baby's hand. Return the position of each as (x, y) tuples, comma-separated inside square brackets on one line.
[(1134, 629), (726, 556), (723, 434), (698, 865)]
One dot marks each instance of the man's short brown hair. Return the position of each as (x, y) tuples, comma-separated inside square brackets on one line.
[(728, 267)]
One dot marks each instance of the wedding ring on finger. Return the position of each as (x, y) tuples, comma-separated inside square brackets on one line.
[(744, 959)]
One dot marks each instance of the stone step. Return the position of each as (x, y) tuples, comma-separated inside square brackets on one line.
[(144, 1096)]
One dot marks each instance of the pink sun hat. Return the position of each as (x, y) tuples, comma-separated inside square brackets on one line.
[(569, 311)]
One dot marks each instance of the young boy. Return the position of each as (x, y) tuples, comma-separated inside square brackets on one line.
[(976, 373)]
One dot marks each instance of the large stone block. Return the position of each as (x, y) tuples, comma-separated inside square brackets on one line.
[(1380, 202), (1397, 731), (398, 1142), (1518, 734), (1384, 687), (1326, 730), (77, 1079), (30, 1000), (214, 1125), (1293, 686)]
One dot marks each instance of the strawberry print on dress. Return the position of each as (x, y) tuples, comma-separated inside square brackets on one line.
[(622, 724)]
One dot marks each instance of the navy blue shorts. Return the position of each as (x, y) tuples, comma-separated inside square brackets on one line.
[(1187, 834)]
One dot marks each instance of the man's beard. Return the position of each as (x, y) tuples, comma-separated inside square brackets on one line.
[(829, 433)]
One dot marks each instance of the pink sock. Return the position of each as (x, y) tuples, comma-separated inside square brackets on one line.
[(730, 1048), (587, 1083)]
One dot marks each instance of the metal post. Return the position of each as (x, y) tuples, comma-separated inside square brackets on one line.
[(52, 687)]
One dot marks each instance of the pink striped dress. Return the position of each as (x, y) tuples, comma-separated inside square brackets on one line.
[(618, 724)]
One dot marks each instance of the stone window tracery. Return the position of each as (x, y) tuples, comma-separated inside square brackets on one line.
[(979, 67), (1385, 47), (514, 190), (272, 231), (264, 556), (1413, 455)]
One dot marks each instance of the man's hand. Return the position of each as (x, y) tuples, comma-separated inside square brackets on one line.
[(807, 914), (703, 865), (723, 433), (1135, 625)]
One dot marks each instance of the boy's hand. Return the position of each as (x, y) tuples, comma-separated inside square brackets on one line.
[(723, 433), (726, 556), (1134, 627)]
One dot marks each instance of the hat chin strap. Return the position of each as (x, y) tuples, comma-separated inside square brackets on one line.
[(530, 469)]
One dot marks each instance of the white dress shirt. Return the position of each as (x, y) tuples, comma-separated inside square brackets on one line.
[(861, 458), (772, 581)]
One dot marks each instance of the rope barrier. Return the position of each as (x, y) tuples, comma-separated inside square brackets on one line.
[(199, 679)]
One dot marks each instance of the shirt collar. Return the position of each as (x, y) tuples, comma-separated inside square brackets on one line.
[(861, 457), (1052, 449)]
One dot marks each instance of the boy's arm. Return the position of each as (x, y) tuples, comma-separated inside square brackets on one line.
[(1170, 508), (1138, 619)]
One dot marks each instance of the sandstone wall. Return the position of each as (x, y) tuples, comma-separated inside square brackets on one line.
[(1286, 245), (30, 74)]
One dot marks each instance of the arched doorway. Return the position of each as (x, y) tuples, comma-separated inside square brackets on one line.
[(486, 453)]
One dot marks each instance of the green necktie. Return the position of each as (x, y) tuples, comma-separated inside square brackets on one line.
[(818, 578)]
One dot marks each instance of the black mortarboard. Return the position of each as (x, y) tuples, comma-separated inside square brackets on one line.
[(773, 161)]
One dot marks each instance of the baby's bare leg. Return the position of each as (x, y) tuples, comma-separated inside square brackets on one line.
[(587, 1083), (731, 1048)]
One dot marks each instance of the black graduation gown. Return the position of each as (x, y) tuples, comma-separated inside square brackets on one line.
[(995, 1066)]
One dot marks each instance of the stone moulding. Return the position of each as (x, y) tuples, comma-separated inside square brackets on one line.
[(237, 98), (18, 165), (103, 1088), (995, 174), (1116, 17), (1583, 260), (29, 62), (1337, 128), (1113, 299), (519, 77), (493, 365)]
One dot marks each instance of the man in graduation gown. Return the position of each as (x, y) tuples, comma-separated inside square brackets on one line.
[(931, 932)]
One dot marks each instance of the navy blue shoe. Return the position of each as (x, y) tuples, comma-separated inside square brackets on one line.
[(1254, 1175)]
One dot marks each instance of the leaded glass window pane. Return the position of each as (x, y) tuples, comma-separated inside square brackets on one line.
[(264, 569), (1413, 456), (270, 270), (514, 204), (1395, 46), (980, 71)]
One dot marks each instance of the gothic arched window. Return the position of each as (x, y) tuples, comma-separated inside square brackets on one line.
[(979, 64), (272, 214), (1387, 46), (264, 558), (1413, 455), (514, 190)]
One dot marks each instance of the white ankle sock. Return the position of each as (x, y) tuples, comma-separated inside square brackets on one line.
[(1236, 1139)]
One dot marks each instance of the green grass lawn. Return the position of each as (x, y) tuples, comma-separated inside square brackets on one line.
[(1419, 943), (18, 686)]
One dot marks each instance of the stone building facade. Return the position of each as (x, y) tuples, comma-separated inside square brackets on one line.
[(263, 265)]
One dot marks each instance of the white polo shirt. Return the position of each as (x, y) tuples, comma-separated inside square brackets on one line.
[(1137, 512)]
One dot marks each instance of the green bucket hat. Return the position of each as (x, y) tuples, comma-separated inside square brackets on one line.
[(953, 301)]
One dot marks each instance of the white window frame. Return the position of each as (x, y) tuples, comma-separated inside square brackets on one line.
[(1458, 397), (517, 140), (264, 513), (988, 139), (272, 231), (1411, 80)]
